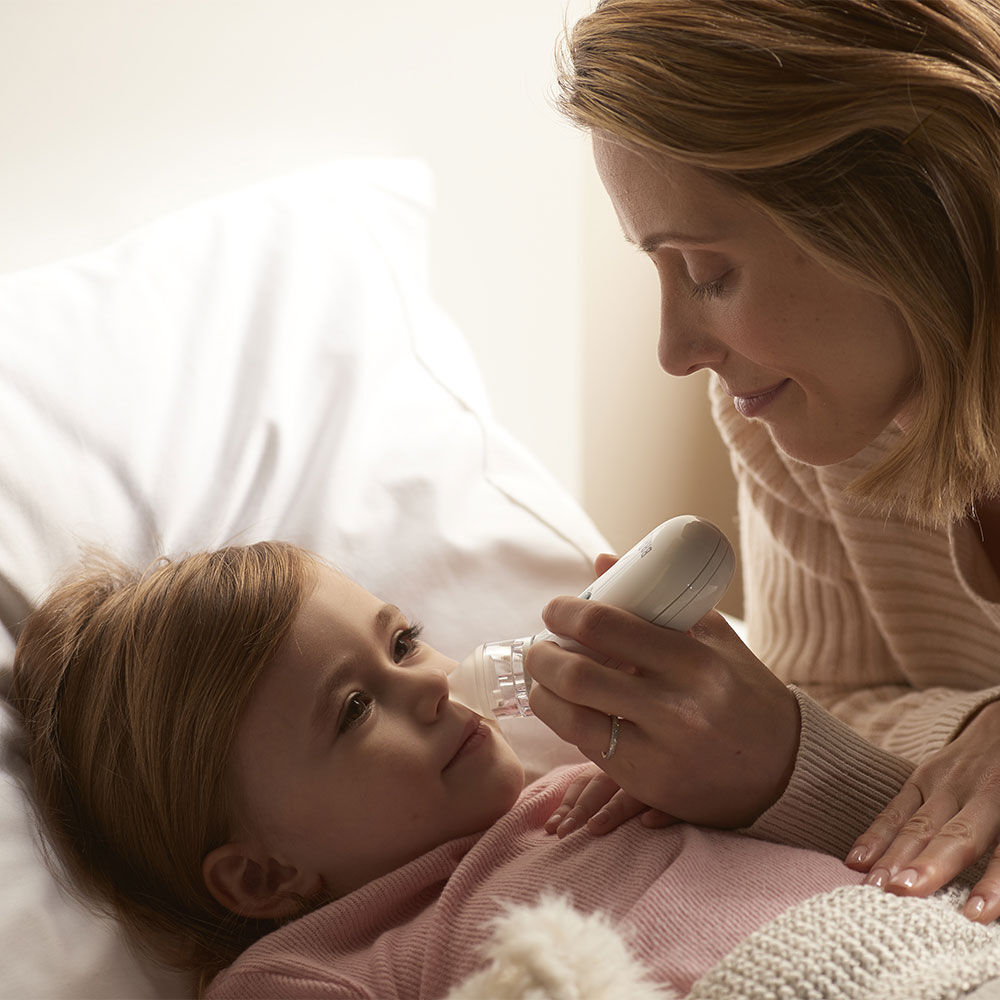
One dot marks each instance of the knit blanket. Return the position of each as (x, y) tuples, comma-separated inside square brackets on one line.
[(854, 943)]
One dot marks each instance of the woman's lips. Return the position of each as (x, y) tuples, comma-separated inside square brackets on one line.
[(472, 736), (751, 405)]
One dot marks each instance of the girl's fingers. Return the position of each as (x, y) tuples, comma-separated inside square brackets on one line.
[(595, 800), (584, 798), (569, 799), (655, 819), (620, 808), (598, 791)]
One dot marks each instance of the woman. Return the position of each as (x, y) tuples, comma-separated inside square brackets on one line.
[(818, 187)]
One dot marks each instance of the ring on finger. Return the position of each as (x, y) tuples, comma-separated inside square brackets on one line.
[(616, 721)]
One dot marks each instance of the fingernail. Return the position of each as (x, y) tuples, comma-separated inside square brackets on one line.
[(567, 826), (906, 879), (974, 907), (858, 856), (878, 878), (600, 820)]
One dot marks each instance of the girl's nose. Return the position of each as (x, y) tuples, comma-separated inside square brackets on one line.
[(429, 691)]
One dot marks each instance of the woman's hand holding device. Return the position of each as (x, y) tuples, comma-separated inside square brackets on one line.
[(707, 733)]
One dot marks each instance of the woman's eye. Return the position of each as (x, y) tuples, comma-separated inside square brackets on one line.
[(698, 265), (709, 289), (356, 710), (405, 643)]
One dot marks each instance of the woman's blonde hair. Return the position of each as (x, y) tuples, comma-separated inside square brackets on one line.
[(869, 130), (131, 686)]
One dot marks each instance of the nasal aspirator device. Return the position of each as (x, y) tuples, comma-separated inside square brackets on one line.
[(672, 577)]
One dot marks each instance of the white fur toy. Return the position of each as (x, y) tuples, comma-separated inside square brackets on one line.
[(550, 951)]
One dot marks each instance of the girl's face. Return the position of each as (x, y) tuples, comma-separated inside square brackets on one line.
[(351, 758), (823, 362)]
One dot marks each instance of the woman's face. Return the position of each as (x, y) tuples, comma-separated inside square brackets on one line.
[(825, 364), (351, 758)]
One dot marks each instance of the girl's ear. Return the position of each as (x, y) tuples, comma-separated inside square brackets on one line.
[(250, 883)]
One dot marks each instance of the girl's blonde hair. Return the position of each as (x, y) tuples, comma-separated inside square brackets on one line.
[(869, 130), (131, 686)]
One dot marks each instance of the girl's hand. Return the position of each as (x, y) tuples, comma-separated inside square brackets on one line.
[(595, 800), (944, 818), (709, 735)]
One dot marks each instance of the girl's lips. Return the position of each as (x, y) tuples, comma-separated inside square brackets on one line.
[(474, 734), (752, 405)]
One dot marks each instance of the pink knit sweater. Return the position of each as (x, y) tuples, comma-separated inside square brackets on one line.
[(682, 897)]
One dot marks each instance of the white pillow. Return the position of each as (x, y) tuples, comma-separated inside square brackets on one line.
[(265, 364)]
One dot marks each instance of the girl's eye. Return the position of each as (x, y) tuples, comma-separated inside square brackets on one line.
[(405, 643), (356, 710)]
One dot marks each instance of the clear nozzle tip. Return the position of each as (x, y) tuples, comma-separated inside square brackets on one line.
[(491, 679)]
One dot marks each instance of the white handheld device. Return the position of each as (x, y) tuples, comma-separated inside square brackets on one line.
[(673, 577)]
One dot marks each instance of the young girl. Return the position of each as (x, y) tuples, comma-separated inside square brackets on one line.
[(250, 759)]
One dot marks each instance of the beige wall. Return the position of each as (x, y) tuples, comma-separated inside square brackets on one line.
[(114, 111)]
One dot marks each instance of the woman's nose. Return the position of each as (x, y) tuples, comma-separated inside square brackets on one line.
[(684, 346)]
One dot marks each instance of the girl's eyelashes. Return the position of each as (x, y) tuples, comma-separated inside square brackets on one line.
[(405, 642), (357, 708)]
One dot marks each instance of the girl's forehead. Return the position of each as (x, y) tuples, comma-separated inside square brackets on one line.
[(336, 596), (337, 618)]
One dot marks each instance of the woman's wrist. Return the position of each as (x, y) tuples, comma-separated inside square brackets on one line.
[(837, 786)]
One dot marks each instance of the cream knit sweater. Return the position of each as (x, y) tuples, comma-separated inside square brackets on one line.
[(893, 629), (854, 943)]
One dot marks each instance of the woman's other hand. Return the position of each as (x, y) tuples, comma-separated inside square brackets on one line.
[(708, 734), (595, 800), (944, 818)]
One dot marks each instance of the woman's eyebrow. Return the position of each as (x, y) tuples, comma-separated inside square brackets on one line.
[(343, 665)]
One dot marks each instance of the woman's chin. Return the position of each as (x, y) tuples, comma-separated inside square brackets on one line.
[(814, 450)]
